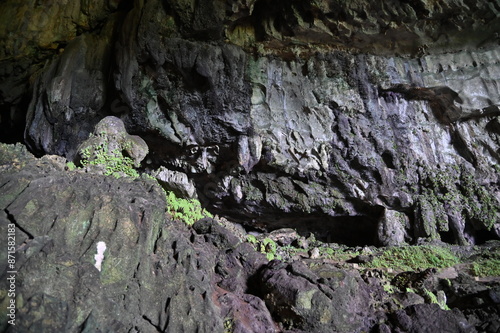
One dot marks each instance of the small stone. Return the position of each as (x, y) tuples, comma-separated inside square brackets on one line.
[(441, 298), (175, 181), (314, 253), (284, 236), (302, 243)]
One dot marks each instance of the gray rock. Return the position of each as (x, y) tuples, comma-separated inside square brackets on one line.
[(175, 181), (69, 94), (325, 116), (110, 137), (326, 137), (314, 253), (155, 274), (392, 228), (179, 279), (284, 236), (294, 296), (430, 318)]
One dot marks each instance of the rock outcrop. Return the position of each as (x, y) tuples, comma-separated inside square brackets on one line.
[(329, 116), (97, 253), (155, 274), (110, 137), (353, 122)]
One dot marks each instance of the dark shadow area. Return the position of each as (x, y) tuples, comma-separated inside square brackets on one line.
[(126, 5), (388, 159), (13, 122), (482, 236), (447, 237), (348, 230)]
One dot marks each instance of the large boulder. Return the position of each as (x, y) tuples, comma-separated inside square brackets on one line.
[(99, 253), (428, 318), (328, 300), (111, 138)]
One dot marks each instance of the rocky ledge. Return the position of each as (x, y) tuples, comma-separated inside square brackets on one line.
[(104, 253)]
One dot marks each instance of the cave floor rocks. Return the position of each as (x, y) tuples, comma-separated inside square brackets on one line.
[(156, 274)]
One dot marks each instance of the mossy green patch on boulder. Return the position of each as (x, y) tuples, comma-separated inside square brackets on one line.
[(110, 150), (487, 264), (414, 258), (186, 210)]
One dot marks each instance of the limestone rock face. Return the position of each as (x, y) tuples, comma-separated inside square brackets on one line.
[(153, 274), (409, 27), (320, 115), (34, 34), (96, 253)]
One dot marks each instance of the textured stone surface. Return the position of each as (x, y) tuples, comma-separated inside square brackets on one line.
[(319, 115), (69, 95), (175, 181), (332, 299), (363, 122), (422, 318), (34, 33), (155, 275), (408, 27), (110, 136), (160, 275)]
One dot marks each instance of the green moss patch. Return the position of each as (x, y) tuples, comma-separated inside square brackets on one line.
[(414, 257), (114, 163), (186, 210), (488, 265), (266, 246)]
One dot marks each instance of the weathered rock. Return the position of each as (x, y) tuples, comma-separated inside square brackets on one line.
[(393, 228), (245, 314), (282, 237), (338, 137), (402, 28), (155, 274), (110, 137), (293, 294), (175, 181), (430, 318), (33, 34), (69, 94), (362, 122), (323, 114), (478, 301)]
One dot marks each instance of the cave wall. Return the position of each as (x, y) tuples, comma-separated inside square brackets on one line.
[(378, 119)]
